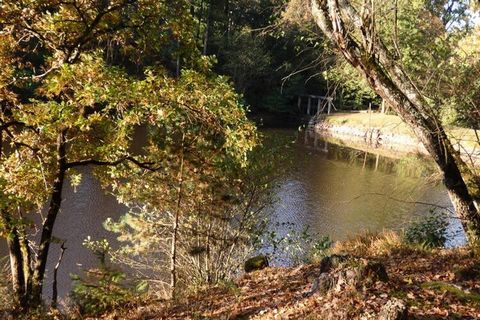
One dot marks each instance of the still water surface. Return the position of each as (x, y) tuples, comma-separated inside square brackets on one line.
[(340, 191), (335, 190)]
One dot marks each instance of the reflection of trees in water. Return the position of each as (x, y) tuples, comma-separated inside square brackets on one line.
[(408, 166), (340, 191), (416, 166)]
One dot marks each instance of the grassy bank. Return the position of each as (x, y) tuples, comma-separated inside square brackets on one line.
[(395, 125), (389, 123), (465, 139)]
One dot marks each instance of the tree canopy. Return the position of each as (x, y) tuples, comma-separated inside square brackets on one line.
[(82, 78)]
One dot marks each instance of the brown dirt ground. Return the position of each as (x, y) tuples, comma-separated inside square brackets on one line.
[(425, 280)]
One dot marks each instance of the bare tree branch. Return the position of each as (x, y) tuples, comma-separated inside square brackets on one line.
[(145, 165)]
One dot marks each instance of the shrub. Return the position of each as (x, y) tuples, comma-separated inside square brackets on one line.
[(320, 247), (295, 247), (429, 232), (102, 289)]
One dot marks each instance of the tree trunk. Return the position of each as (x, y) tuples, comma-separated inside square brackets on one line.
[(227, 23), (390, 82), (16, 263), (173, 258), (207, 29), (55, 272), (14, 244), (35, 295), (200, 18)]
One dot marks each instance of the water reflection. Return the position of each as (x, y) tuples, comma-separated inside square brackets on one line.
[(339, 191), (82, 214)]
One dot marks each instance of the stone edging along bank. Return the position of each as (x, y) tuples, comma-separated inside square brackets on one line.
[(381, 137)]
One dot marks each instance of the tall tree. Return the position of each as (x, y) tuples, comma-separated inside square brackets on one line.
[(354, 32), (82, 76)]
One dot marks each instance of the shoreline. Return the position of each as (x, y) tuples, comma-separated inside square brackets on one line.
[(388, 133)]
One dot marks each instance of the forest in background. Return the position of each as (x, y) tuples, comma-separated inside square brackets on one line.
[(269, 61), (274, 52)]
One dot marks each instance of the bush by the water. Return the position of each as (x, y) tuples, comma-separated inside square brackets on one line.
[(103, 288), (101, 292), (294, 246), (430, 231)]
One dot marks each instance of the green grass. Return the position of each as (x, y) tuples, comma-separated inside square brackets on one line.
[(466, 136), (394, 125), (389, 123)]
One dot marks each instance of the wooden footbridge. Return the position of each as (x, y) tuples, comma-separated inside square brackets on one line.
[(312, 109)]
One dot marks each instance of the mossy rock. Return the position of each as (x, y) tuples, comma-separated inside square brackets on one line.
[(340, 271), (256, 263), (454, 290)]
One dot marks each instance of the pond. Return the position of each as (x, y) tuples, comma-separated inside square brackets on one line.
[(334, 190), (339, 191)]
